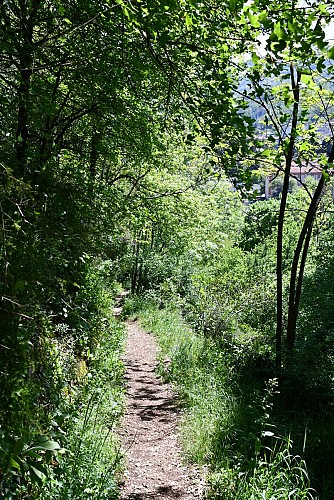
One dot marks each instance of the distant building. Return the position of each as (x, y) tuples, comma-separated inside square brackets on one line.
[(298, 172)]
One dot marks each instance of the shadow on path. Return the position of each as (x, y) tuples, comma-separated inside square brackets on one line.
[(155, 469)]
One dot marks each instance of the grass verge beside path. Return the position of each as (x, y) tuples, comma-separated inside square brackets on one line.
[(91, 464), (246, 459)]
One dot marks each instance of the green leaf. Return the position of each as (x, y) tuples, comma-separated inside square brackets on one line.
[(233, 5), (255, 58), (308, 80), (304, 146), (330, 53), (305, 71), (323, 8), (47, 445), (14, 464), (263, 17), (254, 19), (32, 454), (19, 446), (189, 21), (38, 471), (280, 32)]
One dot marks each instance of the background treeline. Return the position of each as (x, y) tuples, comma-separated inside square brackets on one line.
[(119, 123)]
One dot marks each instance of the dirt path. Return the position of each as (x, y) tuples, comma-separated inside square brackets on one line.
[(149, 436)]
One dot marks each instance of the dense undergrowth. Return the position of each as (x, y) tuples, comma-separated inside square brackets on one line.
[(121, 122), (59, 440), (91, 465)]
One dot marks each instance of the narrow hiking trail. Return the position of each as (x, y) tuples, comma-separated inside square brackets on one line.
[(149, 433)]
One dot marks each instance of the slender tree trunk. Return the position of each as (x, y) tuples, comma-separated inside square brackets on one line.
[(296, 278), (134, 276), (279, 252), (27, 13)]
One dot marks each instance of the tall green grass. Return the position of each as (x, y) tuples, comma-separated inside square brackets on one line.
[(281, 476), (246, 459)]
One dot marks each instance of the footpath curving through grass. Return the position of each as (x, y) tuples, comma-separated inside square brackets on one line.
[(246, 459)]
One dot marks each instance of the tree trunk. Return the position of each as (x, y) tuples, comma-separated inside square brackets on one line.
[(296, 278), (279, 252), (27, 12), (135, 267)]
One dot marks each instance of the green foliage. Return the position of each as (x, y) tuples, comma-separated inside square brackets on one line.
[(260, 223), (137, 303), (316, 323), (23, 458), (198, 371), (221, 365), (118, 122), (77, 359), (92, 462), (281, 476)]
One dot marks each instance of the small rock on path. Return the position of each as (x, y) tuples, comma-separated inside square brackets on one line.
[(149, 433)]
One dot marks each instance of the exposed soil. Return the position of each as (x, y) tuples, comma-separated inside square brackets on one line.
[(149, 435)]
